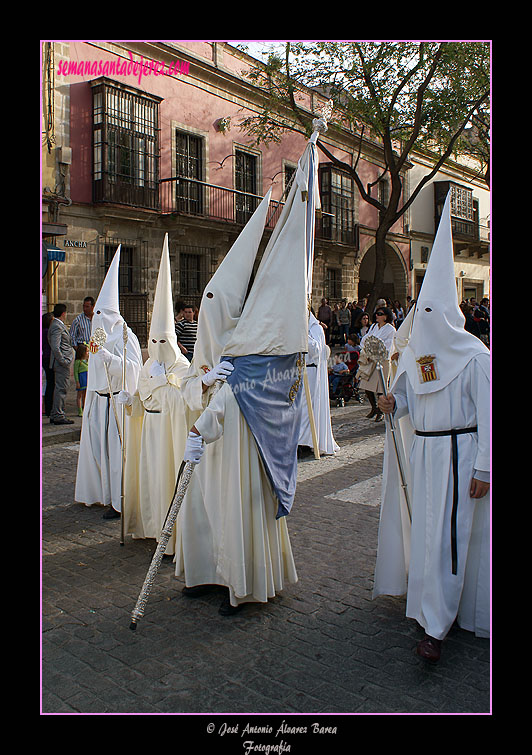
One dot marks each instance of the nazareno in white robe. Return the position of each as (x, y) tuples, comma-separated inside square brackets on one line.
[(155, 445), (227, 533), (99, 472), (422, 567), (318, 380)]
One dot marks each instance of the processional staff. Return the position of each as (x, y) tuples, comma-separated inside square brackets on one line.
[(319, 126), (122, 517), (377, 351)]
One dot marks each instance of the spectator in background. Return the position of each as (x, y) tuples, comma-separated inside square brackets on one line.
[(187, 331), (399, 313), (471, 324), (483, 325), (339, 368), (380, 303), (484, 306), (80, 330), (344, 321), (325, 316), (61, 358), (81, 367), (179, 311), (48, 371), (356, 310), (370, 382), (362, 325)]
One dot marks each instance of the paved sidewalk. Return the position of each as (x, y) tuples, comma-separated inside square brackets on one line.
[(321, 647)]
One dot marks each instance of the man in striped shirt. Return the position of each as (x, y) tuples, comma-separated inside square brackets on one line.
[(80, 330), (186, 332)]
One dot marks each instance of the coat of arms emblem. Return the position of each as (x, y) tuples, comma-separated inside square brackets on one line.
[(427, 368)]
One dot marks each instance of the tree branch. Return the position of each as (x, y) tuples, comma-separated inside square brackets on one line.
[(441, 159), (352, 172), (419, 107)]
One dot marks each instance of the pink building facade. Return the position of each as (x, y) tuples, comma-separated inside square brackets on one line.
[(146, 141)]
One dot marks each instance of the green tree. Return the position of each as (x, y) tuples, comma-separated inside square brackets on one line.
[(406, 96)]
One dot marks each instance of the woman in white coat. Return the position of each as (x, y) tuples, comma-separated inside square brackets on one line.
[(369, 378)]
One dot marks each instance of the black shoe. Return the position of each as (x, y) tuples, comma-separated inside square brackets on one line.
[(379, 417), (198, 590), (62, 421), (372, 413), (226, 609), (111, 513)]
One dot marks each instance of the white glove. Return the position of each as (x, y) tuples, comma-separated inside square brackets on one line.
[(124, 398), (193, 448), (220, 372), (156, 369), (105, 355)]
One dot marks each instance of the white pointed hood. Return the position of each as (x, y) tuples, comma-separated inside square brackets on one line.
[(224, 295), (162, 342), (106, 316), (438, 348), (274, 319), (107, 306)]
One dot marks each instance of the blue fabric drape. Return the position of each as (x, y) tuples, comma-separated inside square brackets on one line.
[(268, 391)]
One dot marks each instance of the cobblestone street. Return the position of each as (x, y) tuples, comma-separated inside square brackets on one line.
[(321, 647)]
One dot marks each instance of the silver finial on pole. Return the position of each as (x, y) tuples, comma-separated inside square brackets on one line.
[(319, 124)]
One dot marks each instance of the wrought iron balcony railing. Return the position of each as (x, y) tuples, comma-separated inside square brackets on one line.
[(208, 201)]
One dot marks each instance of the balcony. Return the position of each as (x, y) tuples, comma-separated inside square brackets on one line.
[(194, 198), (187, 196)]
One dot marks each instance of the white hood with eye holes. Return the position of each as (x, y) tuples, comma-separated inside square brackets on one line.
[(107, 317), (438, 348), (162, 342)]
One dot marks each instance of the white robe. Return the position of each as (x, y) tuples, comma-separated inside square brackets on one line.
[(422, 568), (155, 445), (318, 380), (99, 473), (227, 533)]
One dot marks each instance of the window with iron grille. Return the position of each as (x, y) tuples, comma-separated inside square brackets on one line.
[(246, 170), (189, 165), (333, 284), (337, 190), (289, 173), (195, 267), (132, 283), (464, 208), (125, 146), (384, 191)]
